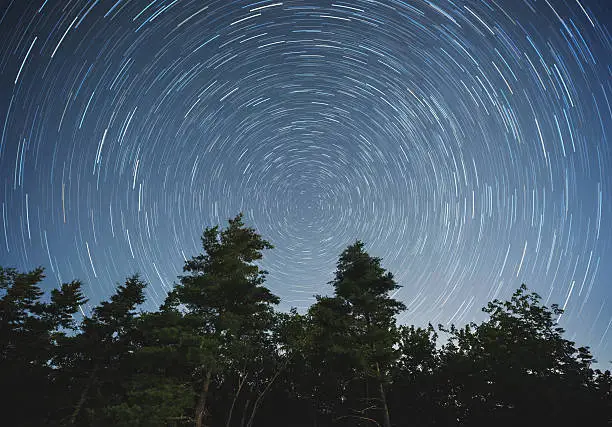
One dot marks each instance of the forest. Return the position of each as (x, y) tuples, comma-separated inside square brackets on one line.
[(219, 353)]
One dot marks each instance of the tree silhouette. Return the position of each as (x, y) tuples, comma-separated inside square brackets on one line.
[(94, 358), (227, 305), (415, 395), (354, 332), (29, 331), (216, 353), (516, 367)]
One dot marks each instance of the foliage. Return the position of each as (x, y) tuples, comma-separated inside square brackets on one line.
[(30, 333), (217, 353), (95, 359), (228, 308), (516, 367)]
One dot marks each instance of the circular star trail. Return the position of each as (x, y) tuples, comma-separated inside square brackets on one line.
[(465, 142)]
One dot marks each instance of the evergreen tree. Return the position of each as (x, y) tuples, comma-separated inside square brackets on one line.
[(95, 358), (356, 331), (29, 332), (158, 384), (217, 354), (227, 305)]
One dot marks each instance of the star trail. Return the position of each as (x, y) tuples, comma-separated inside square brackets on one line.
[(466, 142)]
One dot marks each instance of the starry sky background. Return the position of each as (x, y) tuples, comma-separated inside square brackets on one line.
[(466, 142)]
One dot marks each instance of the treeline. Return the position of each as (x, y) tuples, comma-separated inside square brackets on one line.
[(216, 353)]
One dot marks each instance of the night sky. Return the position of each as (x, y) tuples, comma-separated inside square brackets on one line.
[(466, 142)]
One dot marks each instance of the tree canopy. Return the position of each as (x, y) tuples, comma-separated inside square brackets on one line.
[(217, 352)]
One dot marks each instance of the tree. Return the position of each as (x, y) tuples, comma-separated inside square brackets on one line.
[(355, 332), (332, 359), (415, 396), (516, 367), (95, 358), (293, 392), (600, 404), (227, 304), (158, 381), (217, 354), (29, 333)]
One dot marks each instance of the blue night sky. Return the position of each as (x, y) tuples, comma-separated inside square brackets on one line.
[(466, 142)]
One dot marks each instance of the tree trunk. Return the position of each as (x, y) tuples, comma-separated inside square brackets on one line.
[(261, 395), (244, 412), (231, 411), (201, 407), (84, 395), (383, 399)]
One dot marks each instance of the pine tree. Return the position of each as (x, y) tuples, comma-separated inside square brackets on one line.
[(357, 326), (158, 381), (94, 358), (227, 305), (30, 330)]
